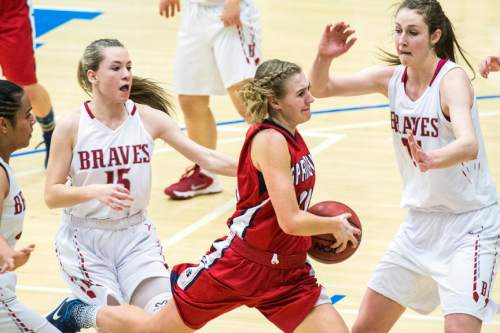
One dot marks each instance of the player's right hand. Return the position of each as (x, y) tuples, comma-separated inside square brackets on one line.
[(169, 7), (344, 233), (336, 40), (115, 196), (231, 13), (490, 64)]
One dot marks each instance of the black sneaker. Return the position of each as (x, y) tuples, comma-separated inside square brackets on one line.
[(61, 317)]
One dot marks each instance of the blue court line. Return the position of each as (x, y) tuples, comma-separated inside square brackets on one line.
[(320, 112), (48, 19), (337, 298), (29, 152)]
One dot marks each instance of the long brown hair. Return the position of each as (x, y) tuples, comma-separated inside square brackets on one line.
[(434, 18), (143, 91)]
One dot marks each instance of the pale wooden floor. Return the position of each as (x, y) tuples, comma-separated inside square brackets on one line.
[(353, 152)]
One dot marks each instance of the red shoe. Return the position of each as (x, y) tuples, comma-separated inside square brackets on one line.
[(192, 183)]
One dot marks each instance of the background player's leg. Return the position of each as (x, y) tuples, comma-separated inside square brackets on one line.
[(42, 108), (201, 128), (200, 122), (461, 323), (377, 313)]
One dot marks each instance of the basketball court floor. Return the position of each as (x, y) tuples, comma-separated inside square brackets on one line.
[(350, 138)]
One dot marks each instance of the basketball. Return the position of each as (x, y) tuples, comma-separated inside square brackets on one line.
[(320, 249)]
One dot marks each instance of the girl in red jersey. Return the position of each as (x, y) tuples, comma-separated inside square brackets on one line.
[(262, 262)]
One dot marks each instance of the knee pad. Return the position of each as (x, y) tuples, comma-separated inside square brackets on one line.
[(156, 303)]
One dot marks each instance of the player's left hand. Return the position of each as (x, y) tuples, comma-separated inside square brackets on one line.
[(423, 159), (231, 14)]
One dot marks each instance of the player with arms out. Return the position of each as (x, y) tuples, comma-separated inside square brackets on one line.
[(452, 200)]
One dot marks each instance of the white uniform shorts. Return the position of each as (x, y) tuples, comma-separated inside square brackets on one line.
[(210, 57), (16, 317), (441, 258), (104, 262)]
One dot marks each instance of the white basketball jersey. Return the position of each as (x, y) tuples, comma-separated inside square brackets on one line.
[(456, 189), (11, 221), (102, 155)]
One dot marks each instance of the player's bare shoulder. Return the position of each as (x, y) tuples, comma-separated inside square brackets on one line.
[(456, 86), (456, 77), (68, 124), (381, 75), (155, 121), (268, 143)]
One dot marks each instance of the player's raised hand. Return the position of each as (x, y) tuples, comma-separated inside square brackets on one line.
[(168, 8), (231, 13), (115, 196), (490, 64), (336, 40)]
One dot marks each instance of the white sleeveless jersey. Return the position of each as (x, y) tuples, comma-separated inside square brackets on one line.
[(102, 155), (460, 188), (11, 221)]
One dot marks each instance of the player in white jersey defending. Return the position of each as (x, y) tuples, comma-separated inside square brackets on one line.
[(218, 47), (16, 126), (100, 172), (447, 250)]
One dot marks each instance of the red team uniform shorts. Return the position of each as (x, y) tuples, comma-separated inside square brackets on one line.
[(17, 57), (233, 274)]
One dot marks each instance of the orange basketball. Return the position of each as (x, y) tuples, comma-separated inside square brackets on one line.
[(320, 249)]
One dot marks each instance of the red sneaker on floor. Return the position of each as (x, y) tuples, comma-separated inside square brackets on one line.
[(192, 183)]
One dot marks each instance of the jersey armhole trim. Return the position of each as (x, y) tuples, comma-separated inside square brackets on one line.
[(6, 175)]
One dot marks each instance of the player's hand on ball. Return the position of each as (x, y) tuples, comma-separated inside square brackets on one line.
[(345, 233)]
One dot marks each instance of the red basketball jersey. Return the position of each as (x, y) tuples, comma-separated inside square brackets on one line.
[(254, 219)]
